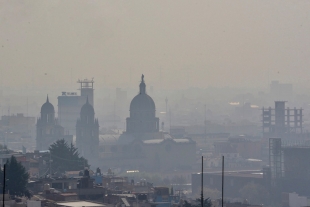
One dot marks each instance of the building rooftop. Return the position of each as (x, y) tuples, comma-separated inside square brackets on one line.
[(153, 141), (79, 204), (108, 139), (249, 173), (158, 141)]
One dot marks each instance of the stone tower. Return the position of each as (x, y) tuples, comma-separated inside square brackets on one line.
[(87, 132), (48, 131)]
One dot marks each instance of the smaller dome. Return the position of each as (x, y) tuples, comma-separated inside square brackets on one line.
[(47, 107), (87, 108)]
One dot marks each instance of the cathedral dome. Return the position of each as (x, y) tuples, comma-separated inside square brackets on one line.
[(142, 117), (47, 107), (142, 101), (87, 109)]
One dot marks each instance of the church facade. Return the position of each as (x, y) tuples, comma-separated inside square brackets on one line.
[(87, 133), (48, 130), (143, 146)]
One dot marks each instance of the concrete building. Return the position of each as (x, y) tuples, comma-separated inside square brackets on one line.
[(293, 200), (234, 181), (289, 167), (244, 147), (70, 103), (281, 91), (17, 131), (19, 123)]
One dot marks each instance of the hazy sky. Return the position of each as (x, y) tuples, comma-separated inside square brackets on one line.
[(176, 44)]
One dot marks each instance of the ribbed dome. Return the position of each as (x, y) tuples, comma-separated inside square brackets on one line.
[(142, 117), (47, 107), (87, 109), (142, 101)]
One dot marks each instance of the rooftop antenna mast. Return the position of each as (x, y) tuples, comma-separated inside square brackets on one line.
[(170, 118), (114, 118), (205, 122), (166, 100)]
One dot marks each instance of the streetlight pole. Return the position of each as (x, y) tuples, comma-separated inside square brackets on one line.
[(51, 164)]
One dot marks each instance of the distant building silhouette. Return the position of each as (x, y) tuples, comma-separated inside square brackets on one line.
[(87, 132), (282, 122), (142, 113), (281, 91), (70, 103), (48, 130), (143, 146)]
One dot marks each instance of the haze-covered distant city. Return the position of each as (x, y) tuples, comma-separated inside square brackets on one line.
[(154, 103)]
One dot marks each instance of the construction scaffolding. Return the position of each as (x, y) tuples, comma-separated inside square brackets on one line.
[(275, 158), (87, 89), (282, 122)]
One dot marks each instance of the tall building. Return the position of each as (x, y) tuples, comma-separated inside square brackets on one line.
[(70, 103), (18, 130), (281, 91), (87, 132), (48, 130)]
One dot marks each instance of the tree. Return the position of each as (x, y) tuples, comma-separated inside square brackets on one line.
[(16, 178), (209, 193), (187, 204), (65, 157), (254, 193), (206, 203)]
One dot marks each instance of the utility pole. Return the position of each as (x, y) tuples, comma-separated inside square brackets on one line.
[(222, 181), (201, 181), (51, 164), (3, 184)]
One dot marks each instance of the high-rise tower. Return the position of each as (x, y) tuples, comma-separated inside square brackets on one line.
[(70, 103)]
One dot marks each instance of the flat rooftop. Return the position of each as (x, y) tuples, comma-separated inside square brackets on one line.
[(248, 173), (79, 204)]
